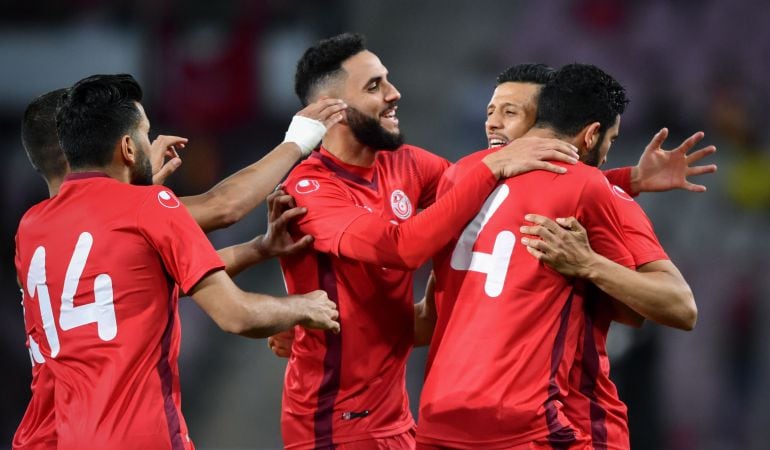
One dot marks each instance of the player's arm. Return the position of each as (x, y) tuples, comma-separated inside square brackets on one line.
[(425, 315), (656, 290), (406, 246), (665, 170), (276, 242), (235, 196), (258, 315)]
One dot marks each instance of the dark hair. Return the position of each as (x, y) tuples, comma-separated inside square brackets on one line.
[(323, 61), (94, 114), (526, 73), (578, 95), (39, 136)]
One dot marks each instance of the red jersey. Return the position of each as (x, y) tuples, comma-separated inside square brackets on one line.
[(593, 404), (507, 328), (349, 386), (99, 266)]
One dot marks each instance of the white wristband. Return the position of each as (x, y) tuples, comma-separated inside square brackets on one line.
[(305, 132)]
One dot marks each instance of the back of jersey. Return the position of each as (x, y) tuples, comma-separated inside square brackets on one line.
[(99, 288), (508, 326)]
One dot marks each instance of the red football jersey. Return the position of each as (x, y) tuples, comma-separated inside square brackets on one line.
[(507, 328), (350, 386), (593, 404), (99, 266)]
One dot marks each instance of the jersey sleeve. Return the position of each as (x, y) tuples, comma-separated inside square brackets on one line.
[(330, 209), (599, 213), (640, 237), (406, 246), (621, 177), (186, 252)]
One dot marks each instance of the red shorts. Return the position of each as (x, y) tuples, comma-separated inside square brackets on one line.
[(403, 441)]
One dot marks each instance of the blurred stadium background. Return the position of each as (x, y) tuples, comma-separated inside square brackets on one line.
[(221, 73)]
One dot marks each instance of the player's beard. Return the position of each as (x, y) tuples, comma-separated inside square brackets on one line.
[(592, 157), (369, 132), (141, 171)]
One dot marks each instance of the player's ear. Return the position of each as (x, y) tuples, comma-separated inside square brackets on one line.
[(591, 135), (127, 149)]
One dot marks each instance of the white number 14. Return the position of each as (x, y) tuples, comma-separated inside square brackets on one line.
[(101, 311)]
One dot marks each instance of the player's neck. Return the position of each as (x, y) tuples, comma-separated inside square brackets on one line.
[(54, 183), (551, 134), (341, 143), (122, 174)]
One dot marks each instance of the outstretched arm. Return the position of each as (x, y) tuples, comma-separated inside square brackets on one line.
[(408, 245), (238, 194), (664, 170), (656, 290), (258, 315)]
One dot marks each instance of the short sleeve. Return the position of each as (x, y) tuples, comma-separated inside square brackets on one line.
[(639, 234), (186, 252), (599, 213)]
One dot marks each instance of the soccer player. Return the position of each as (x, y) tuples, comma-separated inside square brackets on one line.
[(658, 292), (40, 140), (362, 190), (99, 264), (507, 329)]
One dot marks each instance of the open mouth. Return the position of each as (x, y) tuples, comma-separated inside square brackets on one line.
[(390, 115), (497, 141)]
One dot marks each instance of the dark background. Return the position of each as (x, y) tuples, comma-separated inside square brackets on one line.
[(221, 74)]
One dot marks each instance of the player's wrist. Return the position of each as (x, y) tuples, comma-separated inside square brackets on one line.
[(635, 180), (306, 133), (495, 164)]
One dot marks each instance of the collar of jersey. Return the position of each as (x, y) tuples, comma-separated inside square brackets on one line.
[(358, 174), (84, 175)]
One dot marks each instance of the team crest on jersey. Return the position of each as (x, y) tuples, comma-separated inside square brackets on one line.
[(306, 186), (400, 204), (168, 200)]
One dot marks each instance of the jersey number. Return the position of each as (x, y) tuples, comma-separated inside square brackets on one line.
[(101, 311), (495, 264)]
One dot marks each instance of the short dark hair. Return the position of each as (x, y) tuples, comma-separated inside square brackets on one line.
[(323, 61), (536, 73), (578, 95), (39, 136), (94, 114)]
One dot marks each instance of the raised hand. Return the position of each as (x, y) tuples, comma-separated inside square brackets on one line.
[(328, 111), (277, 241), (663, 170), (161, 148), (531, 153)]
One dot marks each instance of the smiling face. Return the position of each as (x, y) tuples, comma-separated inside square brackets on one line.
[(511, 112), (372, 101)]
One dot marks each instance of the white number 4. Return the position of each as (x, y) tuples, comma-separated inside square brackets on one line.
[(494, 264), (101, 311)]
